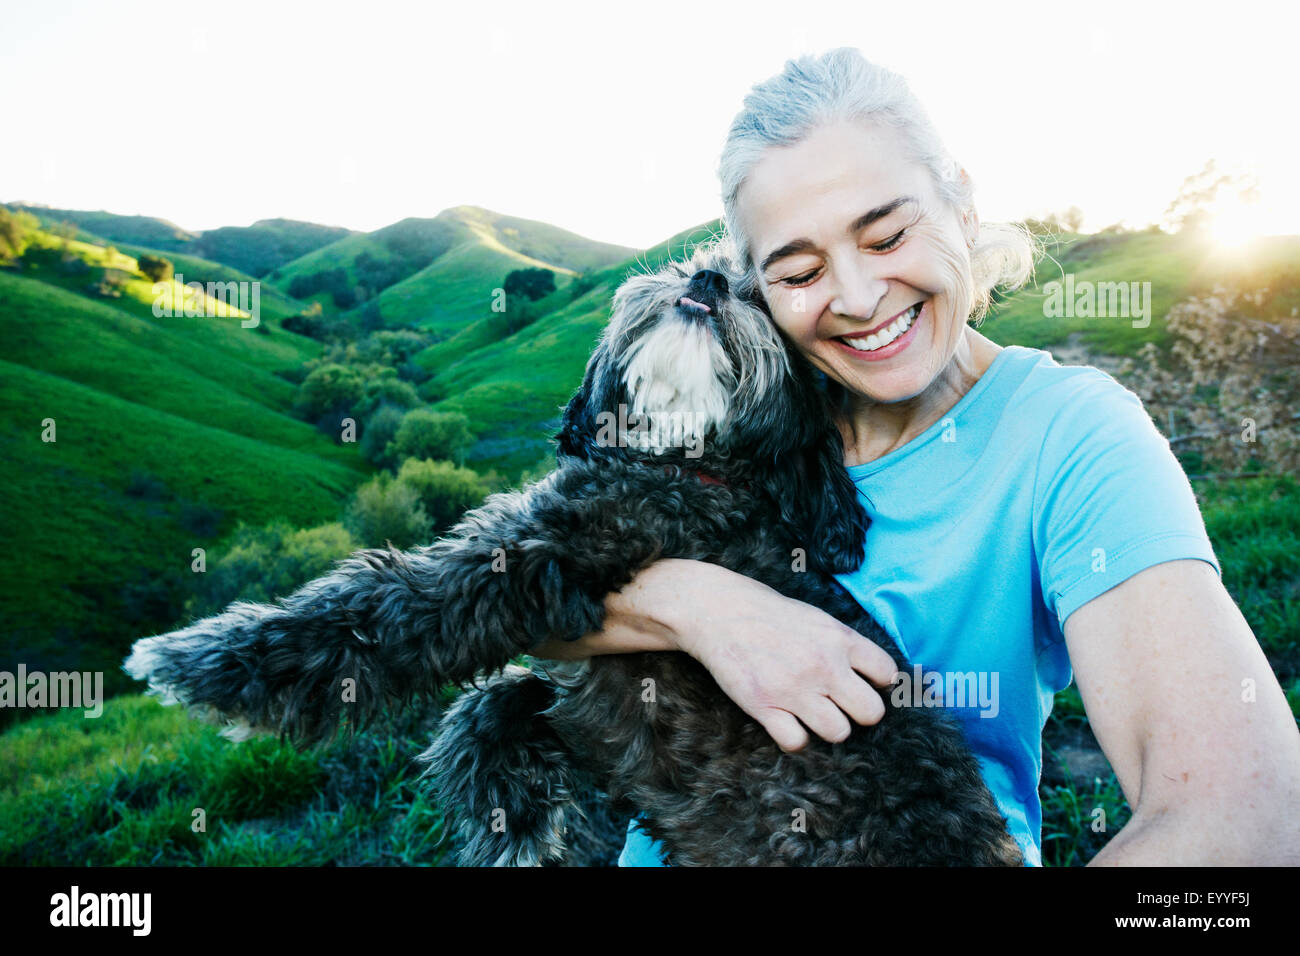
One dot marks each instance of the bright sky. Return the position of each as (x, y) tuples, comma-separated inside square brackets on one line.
[(608, 119)]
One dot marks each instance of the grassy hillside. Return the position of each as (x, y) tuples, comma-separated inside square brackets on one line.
[(275, 304), (267, 244), (255, 249), (1177, 266), (167, 430), (139, 230), (439, 274)]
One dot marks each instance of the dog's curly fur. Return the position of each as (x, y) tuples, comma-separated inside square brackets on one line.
[(523, 762)]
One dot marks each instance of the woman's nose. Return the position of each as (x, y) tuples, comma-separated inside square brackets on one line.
[(858, 292)]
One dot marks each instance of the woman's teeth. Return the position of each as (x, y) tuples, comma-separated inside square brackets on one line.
[(878, 340)]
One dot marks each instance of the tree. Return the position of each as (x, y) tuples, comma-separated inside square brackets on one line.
[(425, 433), (11, 235), (155, 268), (381, 428), (1193, 207), (530, 283), (329, 390), (386, 389)]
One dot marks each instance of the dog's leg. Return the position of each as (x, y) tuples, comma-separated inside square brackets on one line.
[(385, 625), (346, 643), (505, 777)]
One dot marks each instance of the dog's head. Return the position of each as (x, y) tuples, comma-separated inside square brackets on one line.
[(691, 370), (689, 357)]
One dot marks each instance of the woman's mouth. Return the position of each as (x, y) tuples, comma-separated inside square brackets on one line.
[(885, 342)]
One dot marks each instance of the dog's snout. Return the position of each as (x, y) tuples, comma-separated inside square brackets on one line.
[(708, 284)]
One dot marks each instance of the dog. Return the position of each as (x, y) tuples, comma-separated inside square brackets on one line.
[(696, 433)]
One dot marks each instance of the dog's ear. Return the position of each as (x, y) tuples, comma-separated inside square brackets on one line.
[(820, 506), (811, 485), (581, 422)]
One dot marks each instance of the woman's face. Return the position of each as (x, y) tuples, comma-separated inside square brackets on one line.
[(864, 267)]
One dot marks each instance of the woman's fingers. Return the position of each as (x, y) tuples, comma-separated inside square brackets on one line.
[(859, 700), (782, 727), (825, 719), (871, 660)]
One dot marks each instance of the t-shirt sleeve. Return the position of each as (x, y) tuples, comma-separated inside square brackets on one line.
[(1110, 498)]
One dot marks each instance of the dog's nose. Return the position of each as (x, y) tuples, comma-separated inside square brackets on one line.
[(709, 283)]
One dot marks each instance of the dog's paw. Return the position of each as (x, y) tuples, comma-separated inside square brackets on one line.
[(147, 662)]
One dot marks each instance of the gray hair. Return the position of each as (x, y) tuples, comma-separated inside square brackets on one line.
[(841, 84)]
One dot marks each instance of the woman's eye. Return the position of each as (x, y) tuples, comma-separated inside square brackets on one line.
[(889, 243), (801, 280)]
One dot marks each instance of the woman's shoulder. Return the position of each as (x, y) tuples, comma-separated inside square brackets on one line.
[(1068, 412), (1064, 395)]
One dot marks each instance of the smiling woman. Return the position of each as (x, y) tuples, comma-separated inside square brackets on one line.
[(1028, 522)]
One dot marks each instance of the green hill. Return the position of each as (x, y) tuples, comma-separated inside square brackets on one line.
[(140, 230), (167, 430), (513, 388), (255, 249), (438, 274), (267, 244)]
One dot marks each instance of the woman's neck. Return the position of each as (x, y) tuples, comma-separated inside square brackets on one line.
[(872, 430)]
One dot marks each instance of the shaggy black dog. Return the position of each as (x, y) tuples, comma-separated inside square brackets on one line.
[(696, 434)]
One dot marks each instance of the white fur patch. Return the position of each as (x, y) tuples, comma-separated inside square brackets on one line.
[(678, 380)]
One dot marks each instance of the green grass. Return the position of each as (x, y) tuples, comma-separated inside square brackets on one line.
[(1255, 528), (154, 362), (144, 785), (107, 516), (275, 304)]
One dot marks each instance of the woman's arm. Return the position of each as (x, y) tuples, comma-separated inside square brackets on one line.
[(1192, 719), (787, 664)]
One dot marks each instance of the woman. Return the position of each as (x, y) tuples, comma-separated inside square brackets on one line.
[(1027, 518)]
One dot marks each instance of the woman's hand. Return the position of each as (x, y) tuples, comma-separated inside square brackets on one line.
[(787, 664)]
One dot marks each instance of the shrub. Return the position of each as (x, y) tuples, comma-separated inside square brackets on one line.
[(15, 228), (446, 492), (380, 429), (386, 390), (156, 268), (329, 391), (385, 510), (263, 563), (425, 433)]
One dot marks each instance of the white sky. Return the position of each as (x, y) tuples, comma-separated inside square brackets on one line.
[(607, 119)]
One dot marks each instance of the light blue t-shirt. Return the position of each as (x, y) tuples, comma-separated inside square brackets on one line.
[(1042, 488)]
